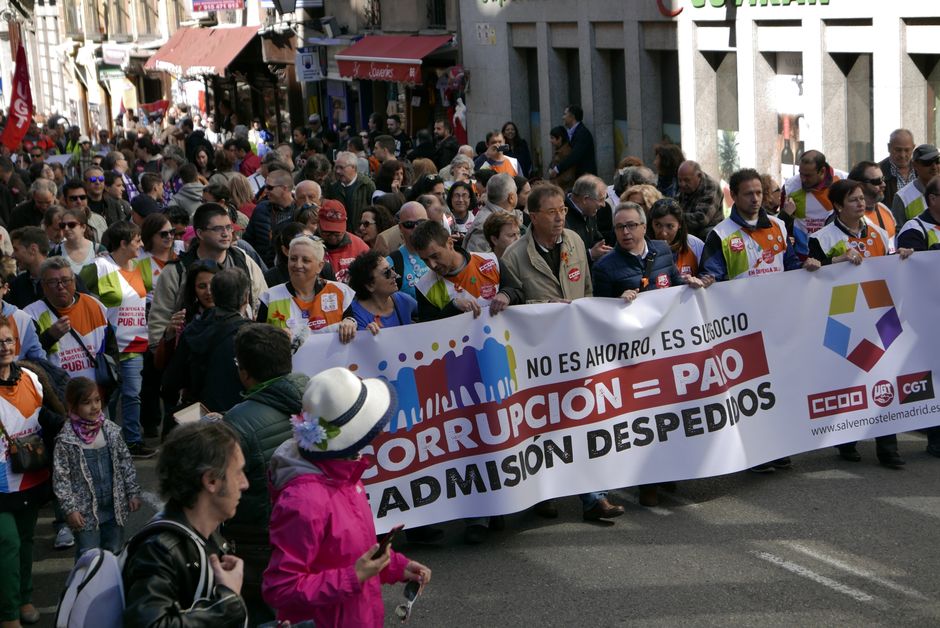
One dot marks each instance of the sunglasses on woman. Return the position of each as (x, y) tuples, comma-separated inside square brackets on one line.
[(69, 225)]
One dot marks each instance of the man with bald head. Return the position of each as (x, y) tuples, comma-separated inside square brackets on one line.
[(701, 199), (307, 193), (898, 167), (405, 260)]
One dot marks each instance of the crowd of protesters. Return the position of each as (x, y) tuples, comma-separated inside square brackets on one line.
[(165, 269)]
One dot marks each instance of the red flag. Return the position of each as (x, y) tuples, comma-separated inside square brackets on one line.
[(21, 106)]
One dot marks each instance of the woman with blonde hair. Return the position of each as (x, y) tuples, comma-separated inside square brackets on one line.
[(643, 195), (242, 197)]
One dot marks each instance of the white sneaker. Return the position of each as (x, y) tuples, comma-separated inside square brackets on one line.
[(64, 539)]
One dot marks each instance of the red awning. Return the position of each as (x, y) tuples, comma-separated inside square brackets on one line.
[(194, 51), (389, 57)]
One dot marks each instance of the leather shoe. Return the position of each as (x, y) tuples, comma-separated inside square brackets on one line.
[(763, 468), (603, 509), (29, 614), (649, 495), (892, 461), (849, 453), (546, 509)]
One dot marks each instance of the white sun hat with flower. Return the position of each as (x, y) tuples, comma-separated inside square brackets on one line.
[(341, 414)]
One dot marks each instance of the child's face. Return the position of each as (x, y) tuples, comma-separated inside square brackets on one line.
[(89, 407)]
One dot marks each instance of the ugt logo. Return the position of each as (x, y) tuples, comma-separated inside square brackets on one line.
[(862, 323)]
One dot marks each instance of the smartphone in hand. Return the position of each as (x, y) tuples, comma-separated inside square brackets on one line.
[(386, 539)]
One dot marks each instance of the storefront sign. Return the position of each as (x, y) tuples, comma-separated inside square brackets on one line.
[(307, 65), (115, 54), (381, 71), (108, 72), (700, 4), (498, 413), (217, 5)]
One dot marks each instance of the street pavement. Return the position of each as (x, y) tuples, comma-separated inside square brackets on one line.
[(825, 543)]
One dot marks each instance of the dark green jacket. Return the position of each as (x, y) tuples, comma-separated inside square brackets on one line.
[(262, 421)]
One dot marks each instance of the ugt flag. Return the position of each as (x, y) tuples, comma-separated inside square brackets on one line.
[(21, 106)]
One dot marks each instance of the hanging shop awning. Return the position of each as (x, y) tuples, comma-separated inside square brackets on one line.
[(199, 51), (389, 57)]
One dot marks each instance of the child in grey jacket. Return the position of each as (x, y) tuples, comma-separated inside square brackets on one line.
[(93, 474)]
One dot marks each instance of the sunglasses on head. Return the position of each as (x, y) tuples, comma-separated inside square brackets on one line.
[(95, 179), (411, 224)]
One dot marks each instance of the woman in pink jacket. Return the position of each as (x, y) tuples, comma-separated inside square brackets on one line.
[(322, 532)]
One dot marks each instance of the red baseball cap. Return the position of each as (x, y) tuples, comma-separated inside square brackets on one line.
[(332, 216)]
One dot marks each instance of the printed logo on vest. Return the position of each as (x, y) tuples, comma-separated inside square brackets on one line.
[(487, 266), (574, 274), (767, 256), (329, 303), (662, 281), (736, 244), (488, 291)]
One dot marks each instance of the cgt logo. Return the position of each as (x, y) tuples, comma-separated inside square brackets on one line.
[(915, 387), (837, 402)]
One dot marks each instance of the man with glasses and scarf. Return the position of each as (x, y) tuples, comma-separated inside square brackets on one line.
[(215, 237), (276, 209)]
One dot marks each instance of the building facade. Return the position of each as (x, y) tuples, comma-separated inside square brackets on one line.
[(736, 83)]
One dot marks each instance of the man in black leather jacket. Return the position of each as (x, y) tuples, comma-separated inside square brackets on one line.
[(166, 582)]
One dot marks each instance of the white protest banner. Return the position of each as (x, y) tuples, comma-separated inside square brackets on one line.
[(499, 413)]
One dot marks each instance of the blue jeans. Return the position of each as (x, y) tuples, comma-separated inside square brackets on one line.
[(131, 380), (589, 500), (108, 535)]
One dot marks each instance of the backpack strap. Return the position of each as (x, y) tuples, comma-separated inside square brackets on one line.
[(206, 578)]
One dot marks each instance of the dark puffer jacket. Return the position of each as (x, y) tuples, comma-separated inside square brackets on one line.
[(262, 421), (621, 270), (204, 362)]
